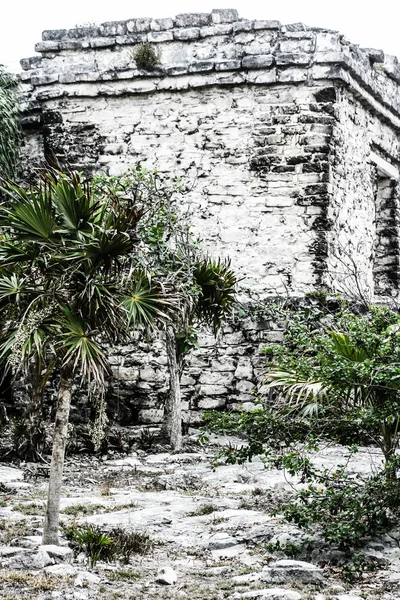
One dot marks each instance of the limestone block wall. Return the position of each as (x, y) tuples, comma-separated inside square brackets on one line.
[(363, 239), (287, 139)]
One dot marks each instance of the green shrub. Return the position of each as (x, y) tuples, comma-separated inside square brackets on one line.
[(128, 543), (98, 544), (347, 512), (146, 57)]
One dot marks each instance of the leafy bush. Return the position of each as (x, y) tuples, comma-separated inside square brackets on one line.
[(335, 377), (347, 511)]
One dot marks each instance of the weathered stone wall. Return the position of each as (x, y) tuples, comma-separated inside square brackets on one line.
[(216, 376), (355, 209), (280, 133)]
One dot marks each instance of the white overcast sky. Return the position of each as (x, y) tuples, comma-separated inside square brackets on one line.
[(374, 24)]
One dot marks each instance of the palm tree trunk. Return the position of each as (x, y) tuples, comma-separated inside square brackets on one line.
[(50, 527), (173, 409)]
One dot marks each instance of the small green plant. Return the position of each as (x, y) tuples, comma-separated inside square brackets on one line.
[(76, 510), (84, 509), (107, 545), (289, 549), (355, 569), (123, 575), (146, 57), (147, 439), (91, 540), (203, 509), (32, 508), (128, 543)]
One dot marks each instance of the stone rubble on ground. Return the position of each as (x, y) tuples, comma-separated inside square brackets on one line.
[(204, 524)]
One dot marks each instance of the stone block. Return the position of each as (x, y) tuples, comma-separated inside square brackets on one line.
[(138, 25), (212, 390), (223, 364), (224, 15), (102, 42), (30, 559), (296, 27), (215, 30), (83, 32), (112, 28), (211, 403), (218, 378), (244, 369), (34, 62), (151, 375), (54, 34), (71, 44), (258, 62), (245, 387), (266, 25), (192, 20), (48, 46), (201, 66), (151, 415), (283, 571), (161, 24), (160, 36), (262, 76), (292, 58), (242, 25), (60, 554), (44, 79), (190, 33)]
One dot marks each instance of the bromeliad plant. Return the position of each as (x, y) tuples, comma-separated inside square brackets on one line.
[(74, 276)]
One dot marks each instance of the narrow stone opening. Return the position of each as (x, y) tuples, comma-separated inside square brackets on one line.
[(386, 267)]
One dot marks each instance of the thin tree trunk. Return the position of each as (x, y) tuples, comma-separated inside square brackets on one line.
[(50, 527), (173, 408)]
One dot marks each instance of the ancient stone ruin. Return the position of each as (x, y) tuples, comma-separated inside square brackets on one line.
[(287, 136)]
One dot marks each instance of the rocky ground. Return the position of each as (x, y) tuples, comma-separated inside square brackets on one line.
[(212, 533)]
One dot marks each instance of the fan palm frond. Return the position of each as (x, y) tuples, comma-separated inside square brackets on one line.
[(80, 347), (346, 348), (30, 213), (144, 305)]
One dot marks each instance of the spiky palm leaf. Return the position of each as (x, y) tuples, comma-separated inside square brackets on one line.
[(217, 283), (78, 345), (144, 305), (306, 394)]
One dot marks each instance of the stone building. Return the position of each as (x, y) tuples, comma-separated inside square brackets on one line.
[(287, 136)]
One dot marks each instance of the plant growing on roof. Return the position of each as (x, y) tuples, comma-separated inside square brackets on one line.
[(146, 56)]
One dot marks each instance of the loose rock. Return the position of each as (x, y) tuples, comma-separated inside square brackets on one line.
[(167, 576)]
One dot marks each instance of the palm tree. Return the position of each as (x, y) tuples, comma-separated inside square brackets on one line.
[(204, 288), (71, 281), (209, 300)]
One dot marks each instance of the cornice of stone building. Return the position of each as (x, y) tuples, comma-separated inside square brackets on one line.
[(201, 50)]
